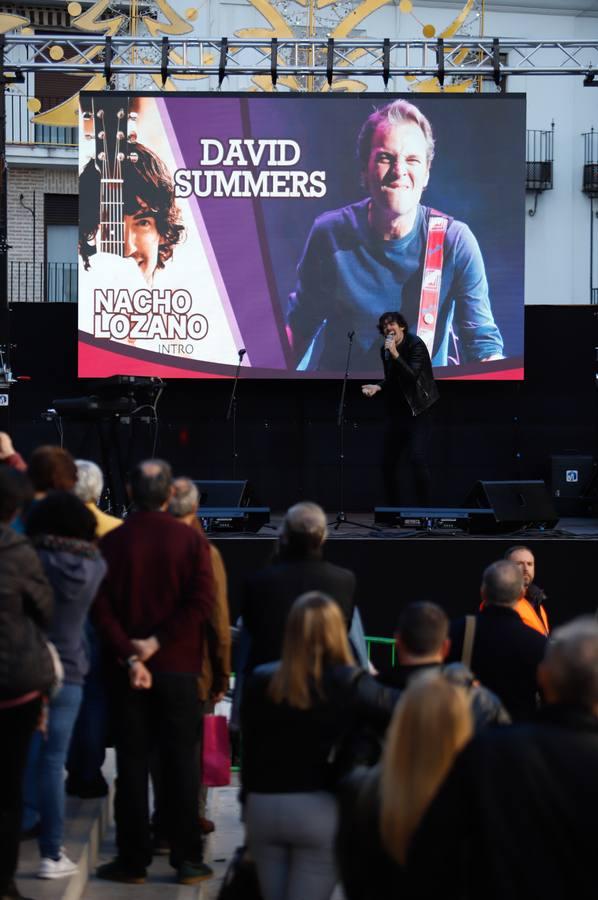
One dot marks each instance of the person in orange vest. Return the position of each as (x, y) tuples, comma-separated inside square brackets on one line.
[(531, 606)]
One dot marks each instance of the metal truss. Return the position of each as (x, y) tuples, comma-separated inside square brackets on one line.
[(196, 56)]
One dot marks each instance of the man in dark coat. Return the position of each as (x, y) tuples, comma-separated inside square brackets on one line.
[(516, 817), (298, 568), (422, 645), (505, 652), (150, 611)]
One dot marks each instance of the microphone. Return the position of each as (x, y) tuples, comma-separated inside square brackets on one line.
[(242, 353), (351, 335), (389, 339)]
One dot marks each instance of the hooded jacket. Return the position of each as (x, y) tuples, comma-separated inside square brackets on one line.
[(75, 569)]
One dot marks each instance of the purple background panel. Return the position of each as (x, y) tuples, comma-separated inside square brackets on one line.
[(231, 225)]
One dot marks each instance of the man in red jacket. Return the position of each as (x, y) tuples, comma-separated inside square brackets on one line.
[(150, 612)]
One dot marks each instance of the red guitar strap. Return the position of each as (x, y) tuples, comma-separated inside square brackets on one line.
[(431, 279)]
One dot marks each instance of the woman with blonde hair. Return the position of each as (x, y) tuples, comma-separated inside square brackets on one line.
[(293, 716), (381, 808)]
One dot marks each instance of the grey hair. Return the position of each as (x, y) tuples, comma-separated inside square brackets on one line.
[(571, 661), (395, 113), (90, 481), (304, 524), (185, 497), (502, 583)]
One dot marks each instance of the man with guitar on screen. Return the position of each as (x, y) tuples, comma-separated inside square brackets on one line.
[(128, 209), (150, 217)]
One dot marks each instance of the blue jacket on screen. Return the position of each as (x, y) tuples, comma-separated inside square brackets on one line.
[(348, 277)]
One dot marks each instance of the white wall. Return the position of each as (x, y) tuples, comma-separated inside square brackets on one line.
[(558, 236)]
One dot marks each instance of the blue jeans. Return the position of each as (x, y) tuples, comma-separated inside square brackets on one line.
[(88, 745), (43, 789)]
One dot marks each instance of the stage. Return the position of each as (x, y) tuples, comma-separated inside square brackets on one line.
[(395, 567), (287, 439), (287, 446)]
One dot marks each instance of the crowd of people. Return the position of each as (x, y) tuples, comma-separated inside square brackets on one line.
[(467, 767)]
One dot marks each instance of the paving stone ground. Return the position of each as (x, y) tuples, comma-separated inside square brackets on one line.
[(223, 807)]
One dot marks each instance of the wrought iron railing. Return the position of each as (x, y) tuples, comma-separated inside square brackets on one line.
[(590, 163), (539, 156), (20, 129), (52, 282)]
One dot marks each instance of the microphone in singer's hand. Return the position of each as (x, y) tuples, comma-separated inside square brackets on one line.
[(387, 345), (242, 353)]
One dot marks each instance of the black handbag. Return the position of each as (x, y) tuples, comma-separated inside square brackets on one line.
[(240, 881)]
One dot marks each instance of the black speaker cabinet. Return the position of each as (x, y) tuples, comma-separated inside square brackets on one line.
[(515, 504), (221, 494), (572, 477)]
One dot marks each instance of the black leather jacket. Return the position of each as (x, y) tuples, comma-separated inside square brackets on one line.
[(366, 870), (410, 376)]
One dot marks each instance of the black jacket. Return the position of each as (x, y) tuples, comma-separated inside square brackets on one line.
[(26, 603), (270, 593), (365, 869), (409, 378), (516, 817), (505, 657), (486, 707), (290, 750)]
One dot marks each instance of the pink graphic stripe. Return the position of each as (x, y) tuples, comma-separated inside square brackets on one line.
[(502, 375), (201, 227), (97, 363)]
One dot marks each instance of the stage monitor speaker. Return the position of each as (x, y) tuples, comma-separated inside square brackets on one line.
[(571, 482), (515, 505), (222, 493)]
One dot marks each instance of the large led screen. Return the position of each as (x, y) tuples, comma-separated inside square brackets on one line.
[(274, 230)]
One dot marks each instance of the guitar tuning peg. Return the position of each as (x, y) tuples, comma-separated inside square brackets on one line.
[(119, 135), (100, 114), (133, 157), (102, 155), (120, 156), (102, 135)]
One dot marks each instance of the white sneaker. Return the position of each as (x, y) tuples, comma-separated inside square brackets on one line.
[(56, 868)]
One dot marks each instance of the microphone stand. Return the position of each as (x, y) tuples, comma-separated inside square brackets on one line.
[(232, 410), (341, 516)]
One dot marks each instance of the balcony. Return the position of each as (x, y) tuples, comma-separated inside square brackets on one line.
[(21, 130), (52, 282)]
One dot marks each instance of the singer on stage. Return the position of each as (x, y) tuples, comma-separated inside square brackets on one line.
[(409, 392)]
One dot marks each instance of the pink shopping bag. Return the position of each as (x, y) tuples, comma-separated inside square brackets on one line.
[(215, 752)]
